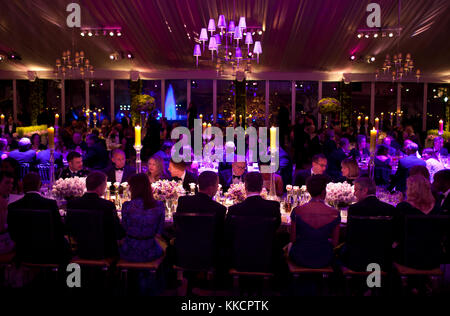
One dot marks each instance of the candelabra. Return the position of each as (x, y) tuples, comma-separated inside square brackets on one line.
[(52, 168), (372, 166), (138, 149)]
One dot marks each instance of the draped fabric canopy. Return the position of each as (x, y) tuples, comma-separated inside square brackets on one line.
[(299, 35)]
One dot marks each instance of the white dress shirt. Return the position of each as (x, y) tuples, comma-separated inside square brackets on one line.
[(119, 175)]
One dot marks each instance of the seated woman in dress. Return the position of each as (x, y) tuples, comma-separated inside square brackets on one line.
[(433, 162), (143, 221), (277, 180), (312, 225), (350, 170), (383, 167), (419, 201), (6, 186), (156, 170)]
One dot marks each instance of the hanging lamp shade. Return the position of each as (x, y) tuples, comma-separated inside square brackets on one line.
[(203, 36), (257, 49), (218, 39), (231, 27), (197, 51), (212, 43), (249, 38), (242, 23), (238, 33), (221, 23), (212, 25), (238, 53)]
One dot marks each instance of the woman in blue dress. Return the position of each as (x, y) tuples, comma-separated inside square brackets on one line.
[(313, 224), (143, 221)]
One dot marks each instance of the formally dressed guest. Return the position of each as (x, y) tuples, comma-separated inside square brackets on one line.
[(330, 144), (388, 142), (6, 186), (119, 171), (92, 201), (277, 181), (11, 166), (3, 148), (43, 157), (361, 150), (404, 165), (191, 115), (156, 169), (202, 202), (36, 144), (254, 204), (96, 156), (433, 162), (143, 222), (164, 153), (312, 146), (179, 173), (75, 168), (10, 127), (438, 147), (441, 186), (34, 201), (350, 170), (77, 143), (368, 204), (234, 175), (24, 154), (113, 140), (319, 166), (383, 169), (312, 226), (419, 201), (336, 158)]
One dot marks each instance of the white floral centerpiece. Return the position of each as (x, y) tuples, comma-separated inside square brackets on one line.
[(167, 190), (69, 188), (236, 192), (340, 194)]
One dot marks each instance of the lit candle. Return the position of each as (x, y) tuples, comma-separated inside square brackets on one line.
[(51, 137), (201, 116), (373, 140), (366, 121), (137, 136), (204, 126), (377, 123), (240, 118), (3, 119), (359, 122), (273, 139), (87, 117), (56, 119), (441, 127), (392, 117)]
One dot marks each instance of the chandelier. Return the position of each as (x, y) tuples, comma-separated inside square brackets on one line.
[(73, 65), (234, 45), (398, 68)]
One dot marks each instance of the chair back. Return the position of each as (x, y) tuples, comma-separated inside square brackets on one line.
[(44, 172), (35, 241), (252, 243), (369, 240), (195, 240), (86, 228), (24, 169), (424, 238)]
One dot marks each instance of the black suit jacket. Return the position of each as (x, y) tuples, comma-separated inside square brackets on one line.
[(226, 178), (66, 173), (301, 176), (113, 230), (188, 178), (256, 206), (37, 202), (371, 206), (128, 171)]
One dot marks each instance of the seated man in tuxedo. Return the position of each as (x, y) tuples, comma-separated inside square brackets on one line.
[(75, 168), (202, 202), (119, 171), (234, 175), (368, 204), (179, 173), (24, 154), (319, 165), (92, 201), (441, 188), (32, 200), (405, 164)]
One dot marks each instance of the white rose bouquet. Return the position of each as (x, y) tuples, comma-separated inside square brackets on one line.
[(339, 194), (167, 190), (236, 192), (69, 188)]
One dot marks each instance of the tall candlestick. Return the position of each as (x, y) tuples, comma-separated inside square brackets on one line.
[(382, 119), (366, 121), (56, 119), (358, 124), (377, 123), (137, 136), (240, 119), (51, 137), (373, 140), (2, 119), (95, 119), (87, 118), (203, 126), (201, 116), (391, 118), (273, 139), (441, 127), (399, 118)]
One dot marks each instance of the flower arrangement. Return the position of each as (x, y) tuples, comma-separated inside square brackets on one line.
[(339, 194), (167, 190), (236, 192), (144, 102), (30, 130), (69, 188), (434, 132), (329, 105)]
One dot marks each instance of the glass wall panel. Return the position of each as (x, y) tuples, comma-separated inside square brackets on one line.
[(202, 98), (438, 105), (279, 101), (225, 102), (256, 105), (176, 100)]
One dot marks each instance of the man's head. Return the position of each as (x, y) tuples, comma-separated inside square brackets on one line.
[(24, 144), (118, 158), (177, 169), (208, 183), (441, 181), (344, 143), (364, 187), (421, 170), (75, 161), (410, 147), (317, 186), (96, 182), (361, 141), (76, 138), (387, 140), (238, 168), (253, 182), (438, 143), (91, 140), (319, 164), (31, 182), (6, 183)]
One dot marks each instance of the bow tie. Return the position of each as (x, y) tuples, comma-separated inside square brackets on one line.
[(176, 179), (237, 177), (119, 169)]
